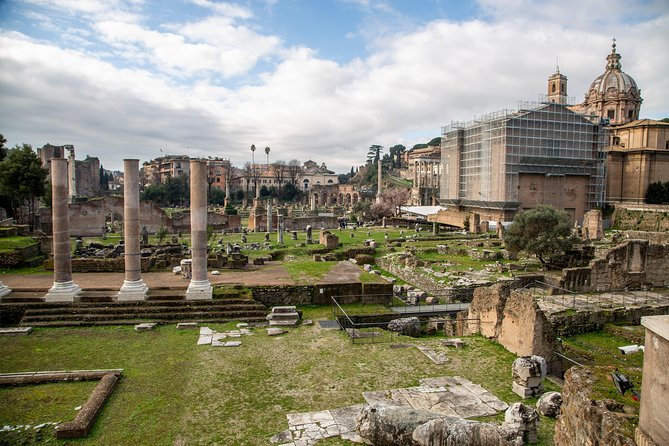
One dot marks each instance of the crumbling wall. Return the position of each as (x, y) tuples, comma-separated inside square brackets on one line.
[(515, 320), (586, 420), (631, 264), (487, 306), (525, 330), (593, 226)]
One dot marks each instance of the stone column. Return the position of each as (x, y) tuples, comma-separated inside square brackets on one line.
[(199, 287), (4, 290), (63, 289), (227, 191), (133, 286), (378, 187), (72, 175), (269, 215), (313, 202), (280, 228)]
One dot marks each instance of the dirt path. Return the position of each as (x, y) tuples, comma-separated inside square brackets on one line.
[(272, 273)]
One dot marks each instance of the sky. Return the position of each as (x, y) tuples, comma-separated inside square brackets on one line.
[(311, 79)]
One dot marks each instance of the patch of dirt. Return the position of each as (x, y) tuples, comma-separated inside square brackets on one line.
[(343, 272)]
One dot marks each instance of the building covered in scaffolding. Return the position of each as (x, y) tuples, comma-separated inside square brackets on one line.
[(508, 161)]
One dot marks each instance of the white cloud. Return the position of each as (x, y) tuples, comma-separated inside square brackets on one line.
[(304, 106)]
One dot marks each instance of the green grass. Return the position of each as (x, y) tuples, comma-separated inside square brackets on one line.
[(12, 243), (175, 392), (308, 271)]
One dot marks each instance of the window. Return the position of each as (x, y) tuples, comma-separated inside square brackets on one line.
[(553, 88), (630, 113), (611, 114)]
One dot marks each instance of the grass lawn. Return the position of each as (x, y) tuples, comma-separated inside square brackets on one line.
[(12, 243), (175, 392)]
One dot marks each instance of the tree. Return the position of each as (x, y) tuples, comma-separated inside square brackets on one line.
[(543, 231), (247, 175), (657, 193), (374, 153), (396, 152), (279, 169), (382, 209), (3, 149), (23, 180), (435, 141), (217, 197), (396, 197), (294, 169)]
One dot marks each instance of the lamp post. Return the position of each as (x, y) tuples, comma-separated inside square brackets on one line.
[(253, 169)]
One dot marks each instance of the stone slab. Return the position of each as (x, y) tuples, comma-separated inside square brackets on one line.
[(232, 344), (206, 331), (147, 326), (329, 325), (276, 331), (437, 358), (186, 325), (16, 331), (204, 340), (283, 323)]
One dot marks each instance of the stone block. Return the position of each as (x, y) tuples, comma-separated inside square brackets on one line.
[(147, 326), (187, 325), (16, 331)]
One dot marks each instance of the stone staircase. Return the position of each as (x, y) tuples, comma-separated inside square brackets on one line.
[(162, 306)]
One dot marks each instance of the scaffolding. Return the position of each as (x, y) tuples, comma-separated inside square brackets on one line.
[(538, 138)]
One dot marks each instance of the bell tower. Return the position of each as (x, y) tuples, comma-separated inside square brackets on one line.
[(557, 87)]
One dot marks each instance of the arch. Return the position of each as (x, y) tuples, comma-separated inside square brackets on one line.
[(354, 198)]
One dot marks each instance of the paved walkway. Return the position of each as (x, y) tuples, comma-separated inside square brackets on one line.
[(418, 310), (272, 273)]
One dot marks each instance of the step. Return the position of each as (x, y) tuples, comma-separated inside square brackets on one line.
[(139, 309), (77, 323), (283, 316), (143, 314)]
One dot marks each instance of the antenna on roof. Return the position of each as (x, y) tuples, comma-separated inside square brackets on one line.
[(557, 65)]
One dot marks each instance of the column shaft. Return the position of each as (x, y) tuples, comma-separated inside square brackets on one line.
[(133, 287), (63, 289), (199, 287)]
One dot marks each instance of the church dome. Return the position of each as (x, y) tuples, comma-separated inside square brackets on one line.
[(614, 77)]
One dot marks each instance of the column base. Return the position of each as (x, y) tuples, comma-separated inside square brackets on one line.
[(199, 290), (4, 290), (132, 290), (62, 292)]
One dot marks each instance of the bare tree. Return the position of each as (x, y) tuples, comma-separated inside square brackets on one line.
[(396, 197), (294, 169), (247, 175), (279, 172)]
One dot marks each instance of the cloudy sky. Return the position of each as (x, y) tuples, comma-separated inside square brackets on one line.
[(319, 79)]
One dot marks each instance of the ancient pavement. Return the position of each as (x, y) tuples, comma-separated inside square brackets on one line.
[(272, 273)]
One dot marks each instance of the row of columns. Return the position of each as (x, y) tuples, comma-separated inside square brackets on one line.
[(424, 175), (133, 288)]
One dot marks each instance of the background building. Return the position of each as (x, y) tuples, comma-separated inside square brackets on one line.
[(509, 161), (637, 157)]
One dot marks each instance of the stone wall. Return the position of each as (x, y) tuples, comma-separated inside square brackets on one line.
[(586, 420), (515, 320), (19, 256), (631, 264), (88, 218), (659, 238), (345, 293), (593, 226), (568, 324), (641, 220)]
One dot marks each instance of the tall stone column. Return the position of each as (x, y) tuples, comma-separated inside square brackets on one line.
[(269, 215), (72, 175), (199, 287), (378, 189), (63, 289), (280, 227), (133, 287), (4, 290)]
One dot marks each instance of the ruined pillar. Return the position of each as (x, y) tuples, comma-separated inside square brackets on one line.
[(280, 228), (4, 290), (71, 174), (63, 289), (133, 287), (227, 192), (199, 287), (269, 215), (313, 202)]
